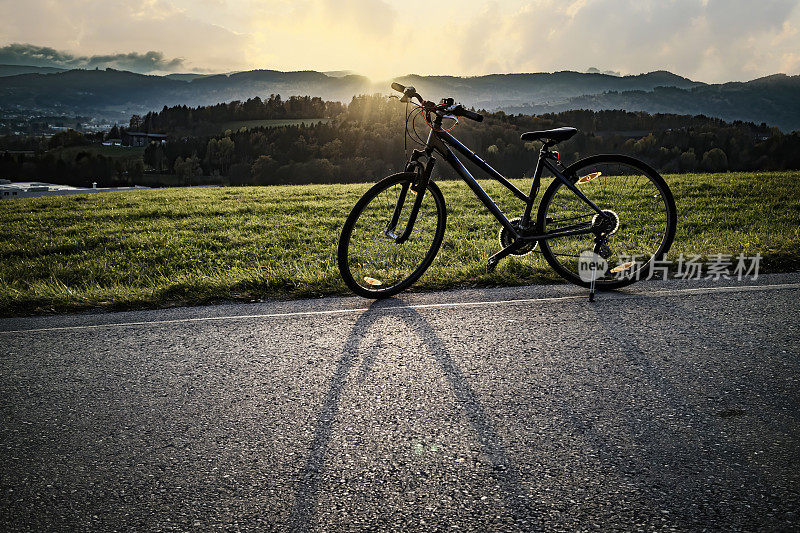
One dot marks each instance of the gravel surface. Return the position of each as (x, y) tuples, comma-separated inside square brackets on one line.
[(670, 406)]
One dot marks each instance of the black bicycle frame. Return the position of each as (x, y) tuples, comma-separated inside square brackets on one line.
[(441, 141)]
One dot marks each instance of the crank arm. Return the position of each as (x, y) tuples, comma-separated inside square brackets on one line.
[(491, 264)]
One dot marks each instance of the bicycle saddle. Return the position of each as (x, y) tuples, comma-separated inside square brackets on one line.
[(556, 135)]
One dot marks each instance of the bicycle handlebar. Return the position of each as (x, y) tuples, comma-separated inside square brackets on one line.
[(455, 110), (408, 92), (460, 111)]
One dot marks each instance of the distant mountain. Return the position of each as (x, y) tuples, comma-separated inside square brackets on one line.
[(186, 77), (100, 89), (498, 91), (117, 94), (243, 85), (773, 99), (338, 73), (15, 70), (90, 92)]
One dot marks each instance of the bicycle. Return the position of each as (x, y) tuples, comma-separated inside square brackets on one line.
[(601, 224)]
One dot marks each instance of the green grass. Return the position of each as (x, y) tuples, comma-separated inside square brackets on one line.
[(166, 247)]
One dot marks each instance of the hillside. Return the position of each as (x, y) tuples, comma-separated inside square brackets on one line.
[(498, 91), (15, 70), (113, 87), (115, 94), (774, 100), (186, 76), (88, 90)]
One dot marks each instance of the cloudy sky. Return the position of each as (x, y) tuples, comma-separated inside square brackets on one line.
[(706, 40)]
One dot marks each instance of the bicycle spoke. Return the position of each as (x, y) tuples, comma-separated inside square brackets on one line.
[(624, 192), (376, 261)]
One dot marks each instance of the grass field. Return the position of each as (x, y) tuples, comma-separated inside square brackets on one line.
[(178, 246)]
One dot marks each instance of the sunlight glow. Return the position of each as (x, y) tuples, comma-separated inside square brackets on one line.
[(706, 40)]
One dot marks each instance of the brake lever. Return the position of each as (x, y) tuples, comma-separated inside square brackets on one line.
[(448, 111)]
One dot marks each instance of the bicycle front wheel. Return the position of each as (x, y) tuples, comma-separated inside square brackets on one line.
[(371, 261), (641, 220)]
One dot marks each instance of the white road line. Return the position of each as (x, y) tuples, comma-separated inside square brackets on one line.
[(657, 293)]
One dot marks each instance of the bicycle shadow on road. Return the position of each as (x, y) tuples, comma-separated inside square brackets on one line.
[(506, 474)]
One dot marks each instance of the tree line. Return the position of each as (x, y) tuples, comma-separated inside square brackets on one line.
[(69, 158), (180, 119), (365, 140)]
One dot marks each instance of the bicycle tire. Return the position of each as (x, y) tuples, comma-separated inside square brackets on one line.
[(638, 196), (370, 262)]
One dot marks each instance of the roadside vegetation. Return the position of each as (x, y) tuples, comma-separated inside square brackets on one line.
[(191, 246)]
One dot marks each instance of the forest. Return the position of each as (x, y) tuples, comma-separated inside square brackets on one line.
[(186, 120), (365, 140)]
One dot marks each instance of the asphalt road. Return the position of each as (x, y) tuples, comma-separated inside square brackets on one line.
[(667, 406)]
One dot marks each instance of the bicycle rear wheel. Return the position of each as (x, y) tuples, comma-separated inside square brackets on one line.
[(642, 218), (371, 262)]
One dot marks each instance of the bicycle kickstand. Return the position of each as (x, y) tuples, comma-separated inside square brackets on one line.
[(598, 245)]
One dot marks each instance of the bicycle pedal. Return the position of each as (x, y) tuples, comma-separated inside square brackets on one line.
[(491, 265)]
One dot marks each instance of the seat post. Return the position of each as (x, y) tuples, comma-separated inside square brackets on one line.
[(537, 175)]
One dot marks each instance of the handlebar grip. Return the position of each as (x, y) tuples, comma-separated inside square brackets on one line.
[(477, 117), (472, 115), (397, 87)]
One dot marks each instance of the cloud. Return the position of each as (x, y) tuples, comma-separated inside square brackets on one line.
[(707, 40), (43, 56), (194, 31), (147, 62)]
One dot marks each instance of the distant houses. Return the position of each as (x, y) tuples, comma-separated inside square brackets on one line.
[(135, 138), (30, 189)]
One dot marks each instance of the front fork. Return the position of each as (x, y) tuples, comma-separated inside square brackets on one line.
[(418, 188)]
